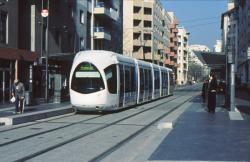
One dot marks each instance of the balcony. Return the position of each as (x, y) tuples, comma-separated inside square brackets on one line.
[(172, 35), (172, 45), (175, 39), (175, 30), (167, 62), (167, 51), (101, 33), (103, 10), (172, 54)]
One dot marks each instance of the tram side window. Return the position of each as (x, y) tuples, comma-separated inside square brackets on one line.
[(146, 79), (127, 80), (157, 79), (163, 79), (111, 77), (133, 82), (141, 80), (167, 79), (150, 80)]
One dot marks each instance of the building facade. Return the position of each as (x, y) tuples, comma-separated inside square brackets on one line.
[(243, 49), (14, 59), (182, 56), (218, 46), (173, 43), (146, 31)]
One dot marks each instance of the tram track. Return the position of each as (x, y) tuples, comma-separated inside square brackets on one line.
[(104, 154), (58, 128), (132, 136)]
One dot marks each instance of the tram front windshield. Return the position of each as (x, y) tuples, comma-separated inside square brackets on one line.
[(87, 79)]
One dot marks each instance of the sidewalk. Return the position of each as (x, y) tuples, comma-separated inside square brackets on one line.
[(32, 113), (202, 136)]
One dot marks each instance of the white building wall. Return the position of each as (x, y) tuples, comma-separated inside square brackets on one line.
[(182, 56)]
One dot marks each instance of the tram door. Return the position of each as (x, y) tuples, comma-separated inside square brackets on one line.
[(5, 85)]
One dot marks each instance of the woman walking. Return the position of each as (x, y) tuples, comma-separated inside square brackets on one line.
[(212, 87)]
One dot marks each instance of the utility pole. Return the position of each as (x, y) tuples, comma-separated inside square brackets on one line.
[(45, 13), (92, 25), (232, 89)]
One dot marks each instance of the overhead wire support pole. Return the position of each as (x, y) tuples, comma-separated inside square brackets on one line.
[(232, 89), (46, 56)]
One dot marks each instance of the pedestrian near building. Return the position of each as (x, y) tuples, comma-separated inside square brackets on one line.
[(204, 90), (221, 93), (212, 87), (18, 91)]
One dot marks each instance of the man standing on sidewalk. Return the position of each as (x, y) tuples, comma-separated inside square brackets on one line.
[(18, 92), (212, 87)]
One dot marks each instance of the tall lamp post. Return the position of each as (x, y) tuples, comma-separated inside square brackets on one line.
[(45, 13)]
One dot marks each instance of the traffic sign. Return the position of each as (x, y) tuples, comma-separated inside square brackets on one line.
[(45, 13)]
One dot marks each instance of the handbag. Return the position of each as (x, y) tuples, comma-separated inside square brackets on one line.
[(13, 99)]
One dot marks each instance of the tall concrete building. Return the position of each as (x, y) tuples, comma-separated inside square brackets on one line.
[(218, 46), (182, 56), (146, 30), (173, 42), (243, 55)]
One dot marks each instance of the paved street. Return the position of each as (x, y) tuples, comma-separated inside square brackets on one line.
[(176, 128)]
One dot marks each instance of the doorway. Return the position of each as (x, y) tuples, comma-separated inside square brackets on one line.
[(5, 85)]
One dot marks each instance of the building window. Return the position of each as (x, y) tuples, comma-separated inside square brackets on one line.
[(137, 9), (136, 36), (136, 48), (147, 37), (3, 27), (147, 24), (147, 11), (137, 23), (81, 17), (81, 44), (147, 49)]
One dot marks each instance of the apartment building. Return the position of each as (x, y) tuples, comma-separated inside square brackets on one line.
[(243, 55), (13, 58), (182, 56), (146, 31), (218, 46), (173, 42)]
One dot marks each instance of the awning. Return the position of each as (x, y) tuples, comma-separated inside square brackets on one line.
[(18, 54)]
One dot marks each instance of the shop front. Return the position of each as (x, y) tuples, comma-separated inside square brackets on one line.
[(15, 64)]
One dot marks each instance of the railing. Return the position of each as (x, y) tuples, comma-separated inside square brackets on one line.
[(101, 29), (100, 4)]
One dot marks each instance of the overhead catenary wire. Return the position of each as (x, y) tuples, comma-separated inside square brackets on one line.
[(203, 24)]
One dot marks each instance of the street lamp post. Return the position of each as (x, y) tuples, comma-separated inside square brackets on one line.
[(45, 13)]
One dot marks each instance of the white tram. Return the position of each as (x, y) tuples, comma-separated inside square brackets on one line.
[(104, 81)]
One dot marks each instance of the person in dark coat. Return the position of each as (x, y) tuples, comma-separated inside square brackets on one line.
[(212, 87), (18, 92), (221, 92), (204, 90)]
